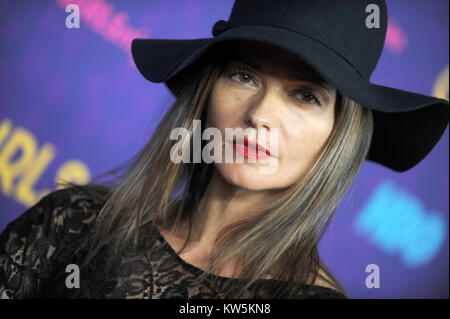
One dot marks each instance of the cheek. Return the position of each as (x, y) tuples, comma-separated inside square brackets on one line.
[(224, 107), (304, 144), (311, 138)]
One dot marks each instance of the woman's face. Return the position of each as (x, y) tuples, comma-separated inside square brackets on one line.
[(264, 88)]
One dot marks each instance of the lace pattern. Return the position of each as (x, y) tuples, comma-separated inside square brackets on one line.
[(36, 248)]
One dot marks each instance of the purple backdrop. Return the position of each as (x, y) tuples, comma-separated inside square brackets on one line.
[(67, 93)]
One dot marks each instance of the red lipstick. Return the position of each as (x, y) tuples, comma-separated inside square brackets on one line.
[(250, 149)]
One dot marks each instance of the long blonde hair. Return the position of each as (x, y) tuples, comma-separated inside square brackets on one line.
[(282, 240)]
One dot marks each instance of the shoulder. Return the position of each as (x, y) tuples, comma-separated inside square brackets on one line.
[(321, 288), (323, 280), (68, 201), (64, 211), (79, 198), (324, 287), (49, 232)]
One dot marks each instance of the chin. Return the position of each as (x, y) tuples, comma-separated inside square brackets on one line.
[(243, 176)]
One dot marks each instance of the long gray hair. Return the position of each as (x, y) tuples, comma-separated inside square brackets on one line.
[(281, 241)]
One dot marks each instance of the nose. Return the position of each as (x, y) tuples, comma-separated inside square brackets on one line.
[(262, 110)]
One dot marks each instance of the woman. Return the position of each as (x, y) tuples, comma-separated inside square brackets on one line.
[(200, 229)]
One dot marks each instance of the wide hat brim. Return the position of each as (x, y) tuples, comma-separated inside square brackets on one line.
[(407, 125)]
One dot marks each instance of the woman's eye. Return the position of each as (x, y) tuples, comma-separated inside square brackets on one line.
[(307, 96), (242, 76)]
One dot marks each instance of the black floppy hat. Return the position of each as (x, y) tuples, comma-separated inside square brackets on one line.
[(342, 41)]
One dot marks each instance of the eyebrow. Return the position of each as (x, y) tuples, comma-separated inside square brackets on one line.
[(313, 77)]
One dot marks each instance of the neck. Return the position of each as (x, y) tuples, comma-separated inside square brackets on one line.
[(221, 205), (224, 204)]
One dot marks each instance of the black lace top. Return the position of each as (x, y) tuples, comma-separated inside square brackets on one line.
[(36, 248)]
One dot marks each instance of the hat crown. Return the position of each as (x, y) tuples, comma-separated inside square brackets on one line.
[(354, 29)]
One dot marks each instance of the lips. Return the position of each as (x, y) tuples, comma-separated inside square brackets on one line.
[(250, 149)]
